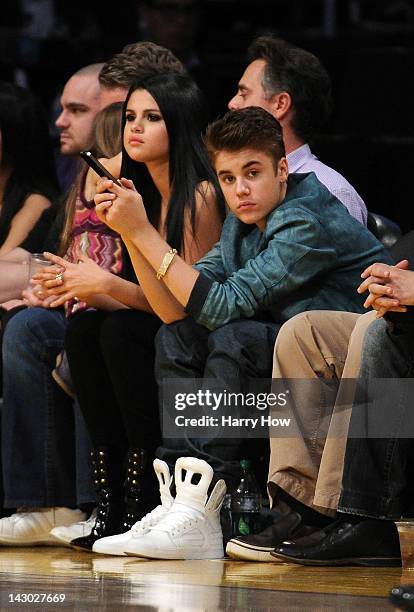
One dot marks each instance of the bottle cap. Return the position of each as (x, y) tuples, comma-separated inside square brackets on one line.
[(245, 463)]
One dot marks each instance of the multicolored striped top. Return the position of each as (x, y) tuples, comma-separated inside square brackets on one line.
[(93, 238)]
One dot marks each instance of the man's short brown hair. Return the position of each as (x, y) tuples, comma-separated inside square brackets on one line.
[(246, 128), (137, 61), (301, 74)]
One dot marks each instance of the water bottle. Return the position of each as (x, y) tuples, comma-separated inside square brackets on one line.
[(246, 503)]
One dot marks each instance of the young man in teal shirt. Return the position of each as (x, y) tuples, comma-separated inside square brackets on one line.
[(288, 245)]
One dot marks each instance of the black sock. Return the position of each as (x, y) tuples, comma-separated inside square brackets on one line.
[(286, 503)]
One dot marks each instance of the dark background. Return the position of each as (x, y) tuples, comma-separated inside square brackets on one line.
[(366, 45)]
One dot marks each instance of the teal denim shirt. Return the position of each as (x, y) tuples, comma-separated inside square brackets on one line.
[(309, 257)]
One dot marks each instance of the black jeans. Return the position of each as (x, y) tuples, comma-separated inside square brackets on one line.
[(378, 472), (111, 359), (230, 354)]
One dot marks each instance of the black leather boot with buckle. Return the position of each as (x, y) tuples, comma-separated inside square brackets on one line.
[(107, 474)]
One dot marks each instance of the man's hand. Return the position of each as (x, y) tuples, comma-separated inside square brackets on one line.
[(391, 288), (10, 304), (34, 296)]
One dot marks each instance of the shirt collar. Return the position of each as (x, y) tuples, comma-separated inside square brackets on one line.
[(299, 157)]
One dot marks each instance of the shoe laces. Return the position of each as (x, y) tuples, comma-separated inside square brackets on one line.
[(149, 519), (176, 521)]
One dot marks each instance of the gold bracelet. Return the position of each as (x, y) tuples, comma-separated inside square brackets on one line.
[(166, 262)]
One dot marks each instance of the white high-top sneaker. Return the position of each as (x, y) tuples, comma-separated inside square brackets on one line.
[(65, 535), (32, 527), (191, 529), (115, 545)]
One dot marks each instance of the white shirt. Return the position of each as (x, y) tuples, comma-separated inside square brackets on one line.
[(303, 160)]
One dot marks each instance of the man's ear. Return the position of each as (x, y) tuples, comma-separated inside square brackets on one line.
[(281, 105), (283, 170)]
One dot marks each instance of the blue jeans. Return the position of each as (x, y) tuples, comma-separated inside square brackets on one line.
[(230, 354), (39, 447), (378, 472)]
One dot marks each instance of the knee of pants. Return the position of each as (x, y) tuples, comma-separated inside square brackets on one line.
[(113, 330), (292, 329), (227, 337), (296, 330), (181, 342), (245, 339), (81, 329), (375, 338), (128, 326), (175, 334), (30, 330)]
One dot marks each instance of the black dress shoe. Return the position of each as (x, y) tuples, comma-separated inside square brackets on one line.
[(369, 542), (257, 547), (403, 597)]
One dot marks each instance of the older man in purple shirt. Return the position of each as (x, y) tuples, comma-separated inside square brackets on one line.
[(292, 85)]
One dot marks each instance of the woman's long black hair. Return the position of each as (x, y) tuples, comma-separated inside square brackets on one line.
[(183, 108), (26, 150)]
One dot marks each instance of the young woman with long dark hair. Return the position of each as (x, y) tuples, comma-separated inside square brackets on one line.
[(111, 355)]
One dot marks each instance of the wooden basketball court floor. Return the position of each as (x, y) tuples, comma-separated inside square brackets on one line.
[(88, 581)]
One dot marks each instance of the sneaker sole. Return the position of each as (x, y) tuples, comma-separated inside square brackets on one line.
[(112, 553), (244, 552), (62, 541), (171, 557), (361, 561), (88, 550), (48, 542), (117, 550)]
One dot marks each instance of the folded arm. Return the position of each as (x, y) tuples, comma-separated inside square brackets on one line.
[(24, 221)]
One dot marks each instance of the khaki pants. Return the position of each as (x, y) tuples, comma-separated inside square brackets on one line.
[(316, 345)]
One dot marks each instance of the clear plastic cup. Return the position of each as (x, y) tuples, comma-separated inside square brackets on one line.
[(406, 536), (36, 262)]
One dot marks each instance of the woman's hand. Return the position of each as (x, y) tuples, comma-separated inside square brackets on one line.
[(119, 207), (79, 281)]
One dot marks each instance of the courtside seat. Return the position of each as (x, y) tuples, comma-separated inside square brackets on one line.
[(387, 231)]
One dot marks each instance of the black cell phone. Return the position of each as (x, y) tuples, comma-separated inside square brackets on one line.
[(97, 166)]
